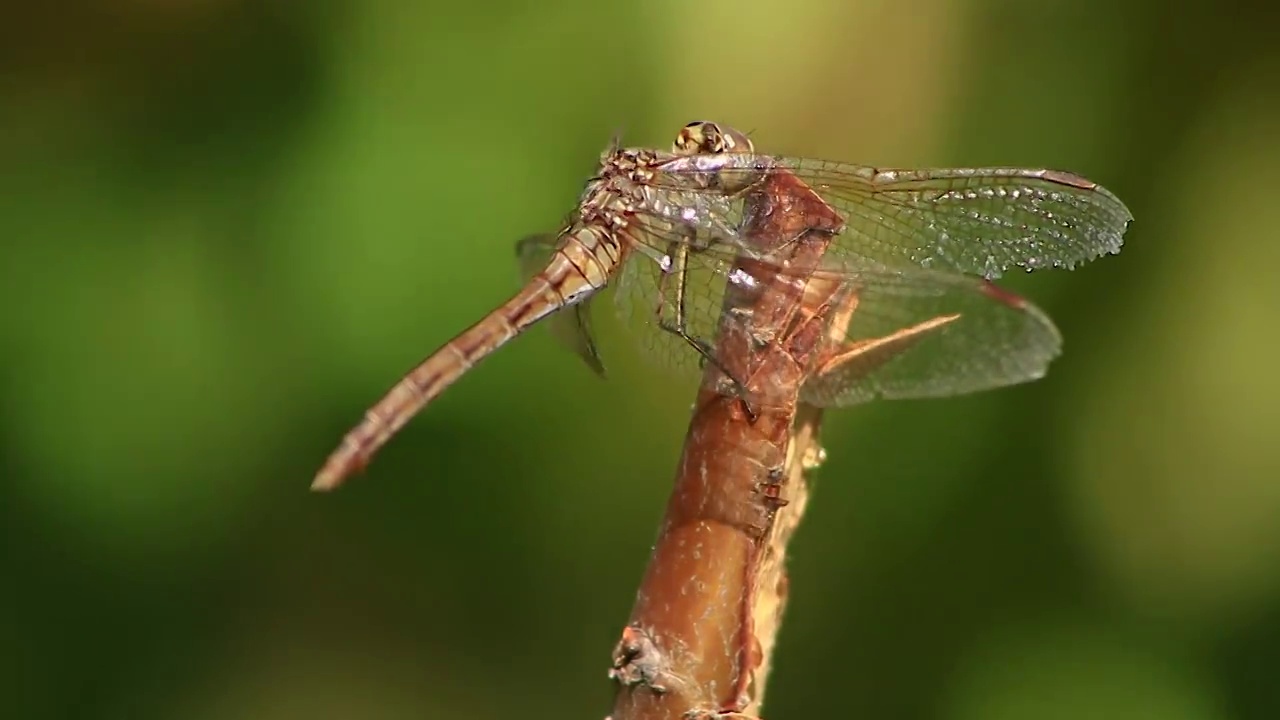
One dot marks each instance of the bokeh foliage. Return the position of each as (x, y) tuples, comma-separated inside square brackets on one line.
[(227, 226)]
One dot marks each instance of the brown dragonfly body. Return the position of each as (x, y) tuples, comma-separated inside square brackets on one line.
[(586, 257), (578, 269), (681, 234)]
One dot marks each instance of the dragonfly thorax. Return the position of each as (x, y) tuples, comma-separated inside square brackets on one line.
[(618, 191)]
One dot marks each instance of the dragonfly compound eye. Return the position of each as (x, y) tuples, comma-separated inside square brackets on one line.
[(698, 137), (703, 137)]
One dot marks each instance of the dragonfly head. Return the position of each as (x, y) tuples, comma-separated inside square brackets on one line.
[(707, 138), (704, 137)]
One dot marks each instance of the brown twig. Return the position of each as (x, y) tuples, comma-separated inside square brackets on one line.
[(709, 607)]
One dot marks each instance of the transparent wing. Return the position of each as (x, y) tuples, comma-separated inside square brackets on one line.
[(905, 335), (571, 327), (912, 250), (979, 221), (934, 335)]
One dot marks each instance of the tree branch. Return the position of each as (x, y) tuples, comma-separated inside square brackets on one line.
[(710, 605)]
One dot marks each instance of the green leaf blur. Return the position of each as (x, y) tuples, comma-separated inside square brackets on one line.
[(226, 227)]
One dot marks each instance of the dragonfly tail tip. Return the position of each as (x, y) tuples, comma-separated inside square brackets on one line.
[(324, 483)]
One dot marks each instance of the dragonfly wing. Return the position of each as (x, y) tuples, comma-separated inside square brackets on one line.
[(916, 251), (922, 335), (571, 327), (978, 221), (907, 334)]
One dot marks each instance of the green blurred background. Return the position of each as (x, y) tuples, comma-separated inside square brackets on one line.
[(228, 226)]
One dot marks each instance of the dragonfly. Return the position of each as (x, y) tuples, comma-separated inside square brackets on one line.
[(666, 228)]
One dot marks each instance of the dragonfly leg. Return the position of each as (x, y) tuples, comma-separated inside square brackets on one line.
[(678, 274)]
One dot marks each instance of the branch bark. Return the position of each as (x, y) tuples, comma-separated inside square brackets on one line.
[(702, 631)]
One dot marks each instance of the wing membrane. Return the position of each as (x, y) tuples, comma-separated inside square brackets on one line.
[(916, 252), (975, 221)]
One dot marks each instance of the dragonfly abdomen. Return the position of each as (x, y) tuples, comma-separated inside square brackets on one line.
[(578, 269)]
